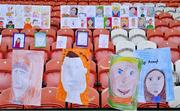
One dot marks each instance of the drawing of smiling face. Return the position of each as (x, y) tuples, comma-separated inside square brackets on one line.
[(123, 79), (155, 82)]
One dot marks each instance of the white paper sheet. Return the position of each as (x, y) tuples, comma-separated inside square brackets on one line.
[(103, 41), (0, 39), (61, 42)]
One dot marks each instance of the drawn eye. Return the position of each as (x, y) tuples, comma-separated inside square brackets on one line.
[(120, 71), (159, 78), (150, 78), (131, 73)]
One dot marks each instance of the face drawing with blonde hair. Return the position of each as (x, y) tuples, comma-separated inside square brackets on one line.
[(154, 88), (125, 78)]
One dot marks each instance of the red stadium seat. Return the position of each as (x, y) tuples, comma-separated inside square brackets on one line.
[(29, 35), (153, 105), (55, 23), (66, 32), (173, 35), (175, 55), (52, 73), (97, 32), (175, 24), (5, 74), (5, 98), (83, 2), (155, 36), (93, 74), (7, 35), (161, 25), (104, 96), (46, 50), (93, 100), (165, 17)]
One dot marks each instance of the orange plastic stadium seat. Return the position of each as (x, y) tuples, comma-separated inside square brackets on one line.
[(167, 17), (161, 25), (60, 2), (155, 36), (103, 70), (55, 23), (93, 100), (175, 24), (8, 54), (57, 52), (104, 96), (93, 74), (173, 35), (29, 35), (51, 35), (52, 73), (72, 3), (3, 49), (83, 2), (97, 32), (90, 47), (66, 32), (175, 55), (152, 105), (5, 98), (7, 35), (105, 53), (46, 50), (5, 74)]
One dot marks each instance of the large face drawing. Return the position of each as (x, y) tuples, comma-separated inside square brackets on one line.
[(155, 82), (123, 79), (20, 81), (73, 75)]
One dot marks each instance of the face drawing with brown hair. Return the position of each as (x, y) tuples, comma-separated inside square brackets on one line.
[(124, 78), (154, 86)]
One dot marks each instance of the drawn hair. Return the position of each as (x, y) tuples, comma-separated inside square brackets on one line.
[(148, 96)]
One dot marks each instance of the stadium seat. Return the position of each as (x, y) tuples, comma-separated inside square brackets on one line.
[(161, 25), (68, 33), (176, 16), (159, 10), (176, 102), (50, 34), (49, 100), (175, 24), (83, 2), (161, 5), (5, 98), (7, 35), (125, 48), (97, 32), (55, 23), (90, 47), (127, 4), (57, 52), (104, 96), (93, 74), (52, 73), (175, 55), (167, 17), (103, 52), (8, 54), (46, 50), (118, 35), (178, 10), (103, 70), (152, 105), (170, 10), (29, 33), (5, 74), (93, 100), (156, 36), (146, 45), (137, 35), (173, 35)]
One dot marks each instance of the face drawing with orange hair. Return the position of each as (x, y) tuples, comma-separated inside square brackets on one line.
[(154, 86)]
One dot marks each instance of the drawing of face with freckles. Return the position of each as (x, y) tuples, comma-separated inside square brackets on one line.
[(123, 79)]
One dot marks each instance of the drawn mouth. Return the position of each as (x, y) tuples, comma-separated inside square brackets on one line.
[(155, 91), (123, 92)]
